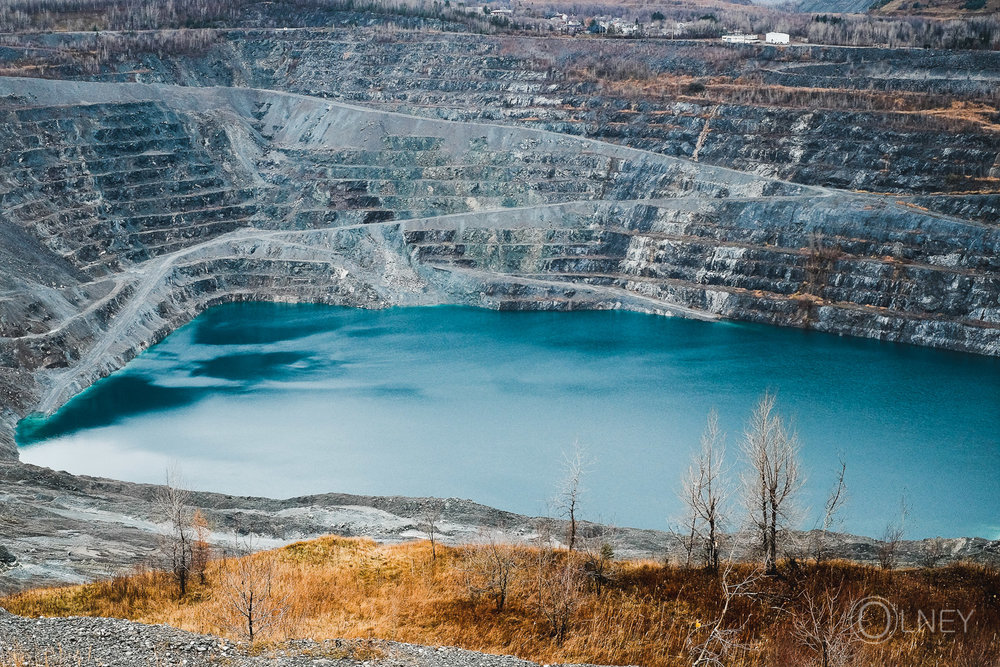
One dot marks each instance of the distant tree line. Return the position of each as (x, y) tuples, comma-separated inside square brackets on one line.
[(119, 15), (976, 32)]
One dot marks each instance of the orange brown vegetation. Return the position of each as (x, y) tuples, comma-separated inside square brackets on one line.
[(925, 110), (938, 9), (640, 612)]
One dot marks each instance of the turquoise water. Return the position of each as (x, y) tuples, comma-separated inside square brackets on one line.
[(285, 400)]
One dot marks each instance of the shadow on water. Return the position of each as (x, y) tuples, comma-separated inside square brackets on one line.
[(263, 323), (252, 366), (107, 402)]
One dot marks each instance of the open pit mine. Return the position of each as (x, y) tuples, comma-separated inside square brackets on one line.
[(343, 168)]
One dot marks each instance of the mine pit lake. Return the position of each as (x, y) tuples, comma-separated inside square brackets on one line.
[(285, 400)]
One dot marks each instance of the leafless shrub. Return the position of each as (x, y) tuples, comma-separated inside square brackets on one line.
[(823, 622), (831, 515), (892, 537), (598, 565), (247, 592), (712, 643), (686, 537), (432, 512), (491, 569), (559, 591), (201, 549), (933, 552)]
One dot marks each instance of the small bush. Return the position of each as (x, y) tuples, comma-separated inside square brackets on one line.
[(694, 88)]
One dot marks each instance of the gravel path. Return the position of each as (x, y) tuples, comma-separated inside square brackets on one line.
[(112, 642)]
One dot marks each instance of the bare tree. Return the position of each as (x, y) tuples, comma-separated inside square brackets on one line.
[(173, 505), (892, 537), (772, 452), (568, 497), (432, 512), (492, 569), (250, 603), (831, 513), (704, 494)]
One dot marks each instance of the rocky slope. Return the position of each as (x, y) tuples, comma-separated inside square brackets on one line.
[(57, 528), (877, 119), (110, 642), (60, 528)]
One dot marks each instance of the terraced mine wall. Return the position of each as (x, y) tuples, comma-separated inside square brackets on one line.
[(126, 209), (837, 117), (918, 123), (908, 121)]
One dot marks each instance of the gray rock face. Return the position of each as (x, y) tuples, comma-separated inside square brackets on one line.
[(820, 125)]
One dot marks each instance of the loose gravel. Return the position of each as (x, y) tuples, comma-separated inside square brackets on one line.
[(113, 642)]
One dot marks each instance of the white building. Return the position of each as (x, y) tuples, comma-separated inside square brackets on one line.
[(740, 38), (776, 38), (615, 26), (563, 23), (623, 27)]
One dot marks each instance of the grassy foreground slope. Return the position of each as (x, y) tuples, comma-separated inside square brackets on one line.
[(561, 607)]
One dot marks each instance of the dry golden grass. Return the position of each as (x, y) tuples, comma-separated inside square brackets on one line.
[(644, 614)]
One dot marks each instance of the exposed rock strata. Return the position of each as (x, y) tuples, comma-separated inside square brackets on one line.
[(127, 209), (634, 92)]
